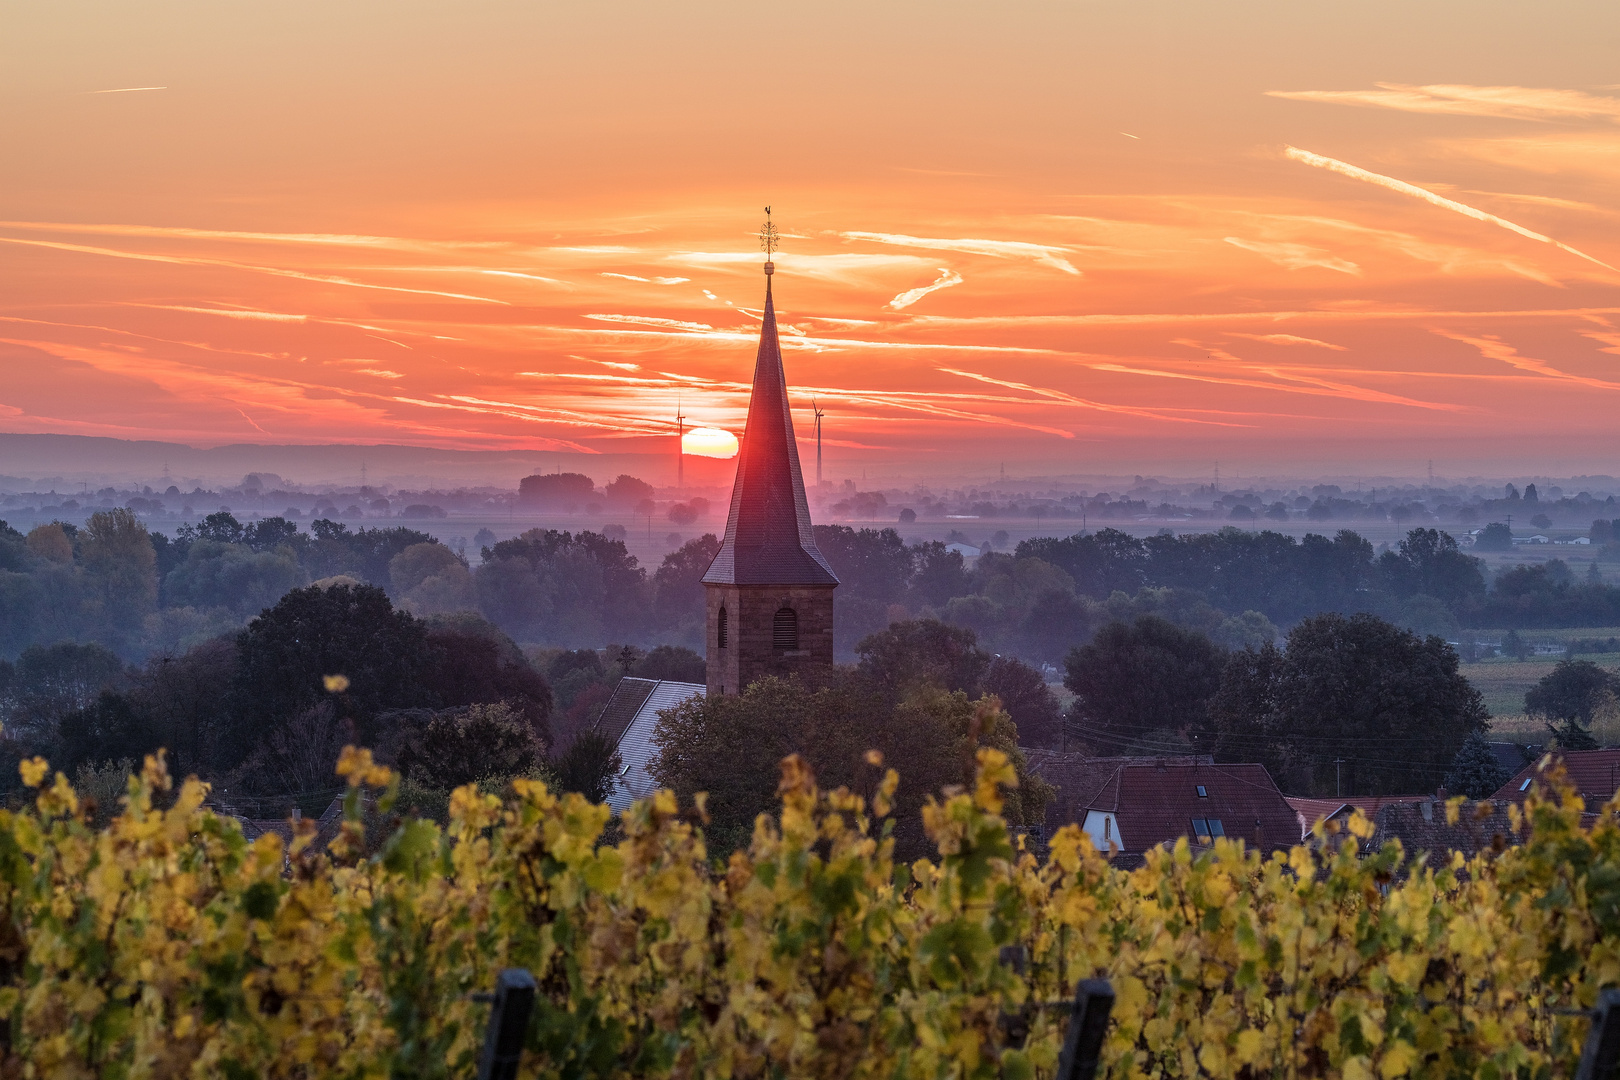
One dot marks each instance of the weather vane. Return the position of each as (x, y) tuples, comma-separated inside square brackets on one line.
[(767, 236)]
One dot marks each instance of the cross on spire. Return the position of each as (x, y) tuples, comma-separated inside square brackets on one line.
[(768, 241)]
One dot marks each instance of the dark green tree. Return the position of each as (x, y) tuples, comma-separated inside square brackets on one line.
[(1139, 678), (287, 653), (1475, 772), (671, 662), (464, 746), (678, 602), (1025, 696), (923, 652), (1564, 700), (588, 766), (1357, 702)]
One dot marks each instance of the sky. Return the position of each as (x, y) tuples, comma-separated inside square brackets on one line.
[(1066, 237)]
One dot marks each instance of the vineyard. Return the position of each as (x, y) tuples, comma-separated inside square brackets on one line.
[(163, 944)]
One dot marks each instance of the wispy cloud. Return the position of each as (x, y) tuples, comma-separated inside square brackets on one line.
[(1045, 254), (1289, 339), (276, 271), (947, 278), (648, 281), (650, 320), (127, 90), (1358, 173), (1070, 399), (1494, 348), (1296, 256), (1511, 102)]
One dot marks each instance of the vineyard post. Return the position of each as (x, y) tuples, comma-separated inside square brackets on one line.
[(508, 1024)]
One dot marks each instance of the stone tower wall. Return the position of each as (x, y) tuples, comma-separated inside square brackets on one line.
[(750, 652)]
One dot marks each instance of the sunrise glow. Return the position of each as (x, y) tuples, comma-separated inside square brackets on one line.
[(533, 227), (709, 442)]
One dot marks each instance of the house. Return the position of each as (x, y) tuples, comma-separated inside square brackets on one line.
[(1310, 811), (1421, 826), (627, 721), (1594, 773), (1537, 538), (1575, 540), (1144, 806), (1077, 778), (967, 551)]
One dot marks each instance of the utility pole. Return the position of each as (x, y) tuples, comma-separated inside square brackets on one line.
[(1336, 763)]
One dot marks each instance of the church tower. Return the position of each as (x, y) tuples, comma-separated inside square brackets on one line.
[(769, 591)]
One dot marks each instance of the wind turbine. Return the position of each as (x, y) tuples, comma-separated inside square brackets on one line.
[(680, 446), (819, 415)]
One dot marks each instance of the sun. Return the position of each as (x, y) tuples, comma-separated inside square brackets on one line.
[(709, 442)]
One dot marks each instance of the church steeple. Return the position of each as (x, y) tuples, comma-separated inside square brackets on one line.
[(768, 537), (769, 589)]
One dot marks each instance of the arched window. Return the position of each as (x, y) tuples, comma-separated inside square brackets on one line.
[(725, 633), (785, 630)]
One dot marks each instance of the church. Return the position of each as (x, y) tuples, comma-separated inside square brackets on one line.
[(769, 591)]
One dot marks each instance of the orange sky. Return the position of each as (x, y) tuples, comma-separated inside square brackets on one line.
[(1066, 236)]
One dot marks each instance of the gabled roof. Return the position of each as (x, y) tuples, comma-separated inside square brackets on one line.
[(1310, 811), (768, 538), (621, 708), (1421, 826), (1156, 804), (1078, 777), (1595, 774), (636, 749)]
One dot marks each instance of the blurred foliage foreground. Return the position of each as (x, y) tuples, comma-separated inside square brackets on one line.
[(164, 944)]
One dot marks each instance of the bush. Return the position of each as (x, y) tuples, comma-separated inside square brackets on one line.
[(466, 745), (167, 944)]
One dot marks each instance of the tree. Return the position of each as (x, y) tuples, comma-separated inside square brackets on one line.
[(50, 681), (1023, 693), (1566, 698), (1355, 703), (1428, 562), (589, 766), (1494, 537), (626, 490), (466, 745), (471, 662), (671, 662), (1135, 679), (430, 578), (555, 490), (923, 652), (731, 746), (873, 567), (121, 567), (678, 600), (216, 574), (1475, 772), (287, 653)]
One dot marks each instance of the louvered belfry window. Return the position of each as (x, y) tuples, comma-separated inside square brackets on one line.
[(725, 631), (785, 629)]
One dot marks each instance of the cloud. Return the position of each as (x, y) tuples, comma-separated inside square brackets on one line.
[(1296, 256), (947, 278), (180, 260), (1289, 339), (649, 320), (127, 90), (1510, 102), (648, 281), (1494, 348), (1070, 399), (1357, 173), (1045, 254)]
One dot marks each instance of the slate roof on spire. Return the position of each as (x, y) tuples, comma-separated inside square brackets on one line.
[(768, 536)]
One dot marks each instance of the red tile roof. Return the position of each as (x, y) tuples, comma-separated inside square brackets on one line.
[(1310, 811), (1595, 774), (1077, 777), (1156, 804)]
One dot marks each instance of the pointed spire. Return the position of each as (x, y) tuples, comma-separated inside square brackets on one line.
[(768, 538)]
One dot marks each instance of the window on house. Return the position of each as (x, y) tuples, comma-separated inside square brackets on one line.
[(1108, 828), (1201, 830), (1215, 828), (785, 629), (1202, 792), (1525, 786), (725, 630)]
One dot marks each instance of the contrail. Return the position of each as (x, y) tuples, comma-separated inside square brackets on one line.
[(129, 90), (1357, 173)]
